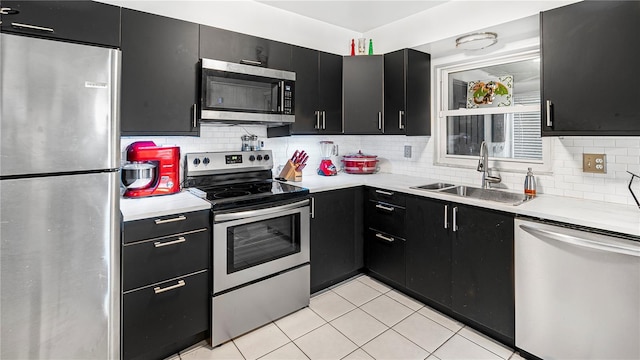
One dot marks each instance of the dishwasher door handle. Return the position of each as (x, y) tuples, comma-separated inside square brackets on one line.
[(589, 240)]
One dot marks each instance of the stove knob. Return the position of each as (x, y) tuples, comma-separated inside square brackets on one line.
[(196, 161), (266, 157), (259, 157), (252, 158), (206, 161)]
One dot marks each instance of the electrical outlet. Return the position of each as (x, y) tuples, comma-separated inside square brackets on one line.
[(407, 151), (594, 163)]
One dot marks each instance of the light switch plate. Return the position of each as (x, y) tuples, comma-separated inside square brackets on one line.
[(594, 163), (407, 151)]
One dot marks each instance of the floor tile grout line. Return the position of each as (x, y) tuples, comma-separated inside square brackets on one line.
[(489, 350)]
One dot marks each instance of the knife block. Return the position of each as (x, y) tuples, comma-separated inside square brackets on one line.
[(290, 172)]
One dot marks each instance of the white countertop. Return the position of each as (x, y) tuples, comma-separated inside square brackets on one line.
[(152, 206), (595, 214)]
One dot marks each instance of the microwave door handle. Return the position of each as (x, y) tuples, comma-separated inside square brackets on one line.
[(281, 107)]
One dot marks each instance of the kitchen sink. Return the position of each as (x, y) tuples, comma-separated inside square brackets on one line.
[(434, 186), (487, 194)]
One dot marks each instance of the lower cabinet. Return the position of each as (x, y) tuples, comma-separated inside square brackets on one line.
[(336, 236), (461, 258), (166, 282)]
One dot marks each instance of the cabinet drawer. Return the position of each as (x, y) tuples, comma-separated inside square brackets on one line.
[(153, 318), (165, 225), (385, 255), (387, 196), (385, 217), (156, 260)]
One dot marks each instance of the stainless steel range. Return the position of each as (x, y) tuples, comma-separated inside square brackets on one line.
[(260, 240)]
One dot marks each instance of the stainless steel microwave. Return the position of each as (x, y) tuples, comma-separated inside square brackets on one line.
[(239, 93)]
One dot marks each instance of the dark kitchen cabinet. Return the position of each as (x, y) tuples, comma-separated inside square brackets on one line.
[(589, 71), (336, 236), (461, 258), (429, 249), (219, 44), (166, 283), (385, 235), (363, 93), (159, 75), (79, 21), (407, 83)]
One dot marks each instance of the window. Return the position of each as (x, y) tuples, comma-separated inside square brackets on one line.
[(496, 100)]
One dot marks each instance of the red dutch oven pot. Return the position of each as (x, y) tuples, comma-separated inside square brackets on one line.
[(360, 163)]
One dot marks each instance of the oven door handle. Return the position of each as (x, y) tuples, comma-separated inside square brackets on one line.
[(258, 212)]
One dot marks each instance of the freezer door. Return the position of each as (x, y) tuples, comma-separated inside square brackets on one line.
[(59, 267), (59, 106)]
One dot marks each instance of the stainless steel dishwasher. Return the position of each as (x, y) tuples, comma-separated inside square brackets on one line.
[(577, 292)]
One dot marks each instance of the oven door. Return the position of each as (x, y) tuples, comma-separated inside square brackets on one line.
[(255, 244)]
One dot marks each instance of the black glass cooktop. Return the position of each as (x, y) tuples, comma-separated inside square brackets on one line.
[(252, 193)]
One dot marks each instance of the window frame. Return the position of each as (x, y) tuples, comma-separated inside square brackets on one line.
[(441, 73)]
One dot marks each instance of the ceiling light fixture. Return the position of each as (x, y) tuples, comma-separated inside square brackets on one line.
[(476, 41)]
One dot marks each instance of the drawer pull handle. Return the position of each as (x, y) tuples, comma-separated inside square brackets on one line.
[(251, 62), (32, 27), (388, 193), (159, 290), (159, 244), (385, 238), (455, 218), (386, 208), (164, 221)]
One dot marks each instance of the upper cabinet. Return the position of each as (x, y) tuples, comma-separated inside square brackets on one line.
[(81, 21), (363, 93), (407, 83), (318, 92), (219, 44), (589, 69), (159, 75)]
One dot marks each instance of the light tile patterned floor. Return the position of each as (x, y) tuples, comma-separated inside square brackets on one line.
[(359, 319)]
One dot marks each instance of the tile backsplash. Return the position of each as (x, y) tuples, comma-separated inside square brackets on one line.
[(566, 179)]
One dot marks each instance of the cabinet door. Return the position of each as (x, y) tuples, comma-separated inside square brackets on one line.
[(429, 249), (330, 92), (336, 236), (385, 255), (482, 268), (589, 74), (159, 75), (305, 65), (219, 44), (363, 94), (417, 116), (394, 92), (157, 320), (82, 21)]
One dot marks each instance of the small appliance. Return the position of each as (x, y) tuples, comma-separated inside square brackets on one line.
[(327, 149), (151, 170)]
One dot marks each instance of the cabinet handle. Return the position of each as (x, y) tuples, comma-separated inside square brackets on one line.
[(195, 115), (455, 218), (317, 126), (31, 27), (379, 121), (549, 113), (313, 207), (386, 208), (385, 238), (251, 62), (446, 216), (400, 124), (324, 120), (159, 290), (384, 192), (8, 11), (164, 221), (159, 244)]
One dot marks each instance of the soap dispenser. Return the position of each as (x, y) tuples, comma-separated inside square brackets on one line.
[(530, 184)]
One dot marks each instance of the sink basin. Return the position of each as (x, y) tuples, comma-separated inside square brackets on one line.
[(487, 194), (434, 186)]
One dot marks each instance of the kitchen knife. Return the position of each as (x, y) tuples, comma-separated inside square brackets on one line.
[(294, 157)]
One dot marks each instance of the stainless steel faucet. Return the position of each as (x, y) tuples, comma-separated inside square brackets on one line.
[(483, 166)]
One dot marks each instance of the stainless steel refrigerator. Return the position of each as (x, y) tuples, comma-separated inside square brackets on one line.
[(59, 209)]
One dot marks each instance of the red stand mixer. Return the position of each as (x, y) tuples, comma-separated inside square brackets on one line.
[(327, 149), (151, 170)]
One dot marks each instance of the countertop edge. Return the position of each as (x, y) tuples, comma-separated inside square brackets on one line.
[(147, 207)]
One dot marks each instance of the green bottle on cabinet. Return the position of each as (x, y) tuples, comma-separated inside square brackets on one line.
[(370, 47)]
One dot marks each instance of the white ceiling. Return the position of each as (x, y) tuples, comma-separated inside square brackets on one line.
[(357, 15)]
